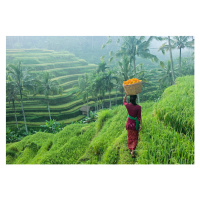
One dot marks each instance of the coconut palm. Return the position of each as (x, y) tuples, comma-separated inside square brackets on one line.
[(22, 81), (93, 88), (11, 94), (134, 47), (101, 67), (102, 87), (172, 64), (168, 47), (125, 69), (119, 85), (48, 87), (182, 42), (109, 83), (166, 73), (84, 89)]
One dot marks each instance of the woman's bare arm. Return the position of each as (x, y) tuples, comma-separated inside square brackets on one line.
[(125, 98)]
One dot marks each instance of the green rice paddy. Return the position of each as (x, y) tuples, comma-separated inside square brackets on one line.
[(66, 68)]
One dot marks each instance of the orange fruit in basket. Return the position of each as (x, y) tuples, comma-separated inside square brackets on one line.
[(131, 81)]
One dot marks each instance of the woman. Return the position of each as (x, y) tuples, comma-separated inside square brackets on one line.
[(134, 122)]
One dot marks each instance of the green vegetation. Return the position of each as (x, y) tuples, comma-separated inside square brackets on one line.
[(52, 85), (64, 66), (104, 141), (104, 80), (182, 101)]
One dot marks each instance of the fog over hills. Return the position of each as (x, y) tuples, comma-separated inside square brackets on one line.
[(85, 47)]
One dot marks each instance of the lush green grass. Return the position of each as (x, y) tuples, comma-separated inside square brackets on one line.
[(176, 106), (161, 144), (45, 148), (104, 142)]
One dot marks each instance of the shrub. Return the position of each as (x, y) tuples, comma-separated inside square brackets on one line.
[(52, 126), (16, 135)]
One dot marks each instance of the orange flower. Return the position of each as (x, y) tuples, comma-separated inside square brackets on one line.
[(131, 81)]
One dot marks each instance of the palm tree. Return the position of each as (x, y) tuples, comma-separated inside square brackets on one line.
[(181, 42), (142, 76), (102, 87), (11, 93), (167, 76), (125, 69), (101, 67), (119, 85), (166, 47), (48, 86), (93, 88), (108, 83), (133, 46), (23, 82), (84, 89), (172, 64)]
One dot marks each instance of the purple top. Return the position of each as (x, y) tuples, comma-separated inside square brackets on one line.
[(133, 111)]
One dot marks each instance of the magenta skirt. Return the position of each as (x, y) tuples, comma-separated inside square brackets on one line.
[(132, 139)]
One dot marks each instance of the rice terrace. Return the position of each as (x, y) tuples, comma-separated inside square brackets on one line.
[(66, 102)]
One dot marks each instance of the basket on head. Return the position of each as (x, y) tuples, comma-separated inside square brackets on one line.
[(133, 89)]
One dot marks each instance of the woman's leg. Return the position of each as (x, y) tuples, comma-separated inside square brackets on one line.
[(132, 139)]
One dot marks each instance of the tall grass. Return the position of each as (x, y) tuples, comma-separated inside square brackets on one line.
[(176, 107), (160, 144), (64, 147)]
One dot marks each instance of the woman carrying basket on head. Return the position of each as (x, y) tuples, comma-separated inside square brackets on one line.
[(134, 122)]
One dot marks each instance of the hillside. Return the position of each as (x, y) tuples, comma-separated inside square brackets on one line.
[(104, 141), (66, 68)]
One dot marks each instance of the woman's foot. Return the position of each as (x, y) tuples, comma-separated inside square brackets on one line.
[(132, 154)]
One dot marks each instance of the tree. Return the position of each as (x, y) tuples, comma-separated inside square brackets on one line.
[(22, 81), (11, 94), (48, 87), (167, 77), (102, 87), (109, 83), (84, 89), (182, 42), (172, 64), (125, 69), (101, 67), (119, 85), (134, 47), (167, 47)]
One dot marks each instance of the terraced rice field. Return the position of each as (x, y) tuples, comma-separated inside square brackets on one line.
[(161, 140), (66, 68)]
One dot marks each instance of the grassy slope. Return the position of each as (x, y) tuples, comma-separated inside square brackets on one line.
[(104, 141), (175, 98)]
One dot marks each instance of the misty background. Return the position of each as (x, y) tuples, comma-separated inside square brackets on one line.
[(85, 47)]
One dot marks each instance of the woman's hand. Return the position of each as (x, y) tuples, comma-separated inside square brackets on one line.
[(140, 124)]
